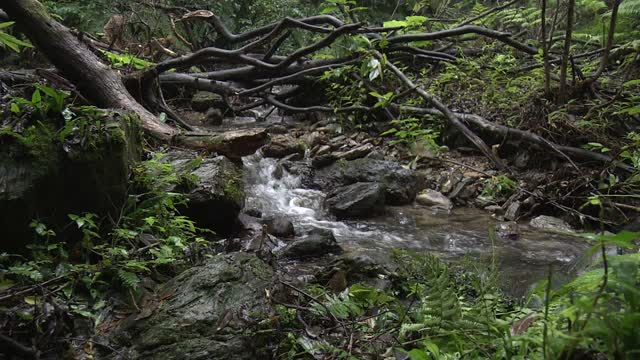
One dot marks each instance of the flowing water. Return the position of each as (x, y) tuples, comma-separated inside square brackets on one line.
[(463, 232)]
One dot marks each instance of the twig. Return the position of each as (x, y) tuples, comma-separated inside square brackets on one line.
[(312, 298), (32, 353)]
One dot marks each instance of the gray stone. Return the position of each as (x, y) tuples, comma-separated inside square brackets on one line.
[(513, 211), (508, 230), (359, 200), (318, 243), (401, 185), (213, 117), (434, 199), (217, 197), (283, 145), (203, 100), (280, 227), (355, 153), (550, 223), (205, 315)]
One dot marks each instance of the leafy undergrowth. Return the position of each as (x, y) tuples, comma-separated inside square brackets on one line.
[(437, 312), (49, 295)]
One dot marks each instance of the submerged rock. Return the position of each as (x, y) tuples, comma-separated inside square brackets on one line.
[(215, 192), (318, 243), (359, 200), (400, 184), (434, 199), (550, 223), (209, 313)]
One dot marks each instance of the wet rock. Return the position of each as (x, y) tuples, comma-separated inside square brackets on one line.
[(213, 117), (508, 230), (253, 212), (434, 199), (318, 243), (280, 227), (359, 200), (550, 223), (301, 169), (324, 160), (205, 314), (203, 100), (283, 145), (401, 185), (513, 211), (217, 194)]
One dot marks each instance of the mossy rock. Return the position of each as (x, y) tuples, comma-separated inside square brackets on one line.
[(217, 311), (203, 100), (47, 173), (215, 189)]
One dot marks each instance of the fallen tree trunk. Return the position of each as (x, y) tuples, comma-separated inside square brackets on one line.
[(105, 86)]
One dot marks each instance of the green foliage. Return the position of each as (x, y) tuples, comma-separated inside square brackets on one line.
[(126, 60), (411, 131), (149, 237), (10, 41), (436, 311), (498, 187)]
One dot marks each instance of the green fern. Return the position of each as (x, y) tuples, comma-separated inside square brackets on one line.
[(129, 279)]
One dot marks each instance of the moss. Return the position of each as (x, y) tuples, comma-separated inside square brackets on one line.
[(36, 144), (234, 187)]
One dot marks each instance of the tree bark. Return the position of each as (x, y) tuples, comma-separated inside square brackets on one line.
[(562, 94), (104, 86)]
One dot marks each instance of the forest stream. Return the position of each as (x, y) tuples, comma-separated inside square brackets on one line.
[(524, 255)]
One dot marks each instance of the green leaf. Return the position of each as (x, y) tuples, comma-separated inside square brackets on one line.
[(36, 98), (394, 23), (6, 24), (418, 354), (15, 108)]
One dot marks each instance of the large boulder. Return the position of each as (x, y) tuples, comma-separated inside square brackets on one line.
[(400, 184), (207, 314), (214, 188), (45, 177), (359, 200)]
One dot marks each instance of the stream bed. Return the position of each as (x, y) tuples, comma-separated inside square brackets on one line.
[(463, 232)]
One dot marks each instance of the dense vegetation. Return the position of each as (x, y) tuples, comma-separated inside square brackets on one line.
[(574, 98)]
